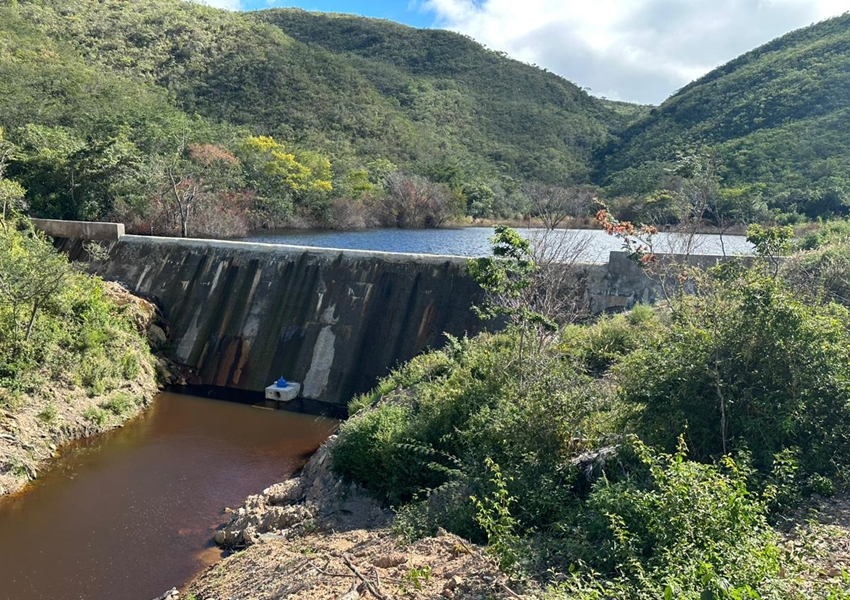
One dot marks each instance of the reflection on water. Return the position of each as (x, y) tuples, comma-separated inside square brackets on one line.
[(591, 245), (131, 513)]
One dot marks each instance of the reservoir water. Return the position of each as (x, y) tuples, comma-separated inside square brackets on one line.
[(592, 245), (129, 514)]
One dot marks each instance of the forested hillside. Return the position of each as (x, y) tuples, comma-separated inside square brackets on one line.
[(163, 111), (777, 117), (177, 118), (481, 102)]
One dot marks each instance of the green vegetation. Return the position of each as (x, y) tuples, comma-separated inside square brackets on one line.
[(72, 361), (58, 327), (775, 118), (178, 118), (644, 455)]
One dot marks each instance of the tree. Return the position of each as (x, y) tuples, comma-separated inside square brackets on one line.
[(11, 192), (480, 198), (281, 178), (31, 272), (771, 243), (507, 279), (554, 204), (413, 201), (732, 207), (71, 177), (698, 189), (195, 177)]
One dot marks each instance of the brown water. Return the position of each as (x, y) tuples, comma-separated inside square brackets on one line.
[(130, 514)]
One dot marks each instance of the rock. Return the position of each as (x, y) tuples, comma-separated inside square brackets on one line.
[(142, 312), (156, 337), (287, 492), (453, 583), (447, 593), (163, 369), (387, 562), (592, 464), (171, 594)]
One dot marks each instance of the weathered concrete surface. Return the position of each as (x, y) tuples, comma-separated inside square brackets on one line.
[(80, 230), (244, 314), (622, 283)]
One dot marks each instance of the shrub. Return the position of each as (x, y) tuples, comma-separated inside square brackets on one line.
[(673, 528), (828, 233), (120, 404), (48, 415), (822, 273), (747, 366), (599, 346), (78, 336), (96, 416), (438, 420)]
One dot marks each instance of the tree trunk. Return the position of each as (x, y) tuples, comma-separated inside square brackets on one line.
[(35, 307)]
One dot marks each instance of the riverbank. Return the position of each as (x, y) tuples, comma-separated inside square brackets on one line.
[(51, 411), (315, 537)]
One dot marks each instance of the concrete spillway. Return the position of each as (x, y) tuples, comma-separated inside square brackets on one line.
[(244, 314)]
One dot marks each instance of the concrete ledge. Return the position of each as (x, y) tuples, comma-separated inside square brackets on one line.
[(258, 248), (80, 230)]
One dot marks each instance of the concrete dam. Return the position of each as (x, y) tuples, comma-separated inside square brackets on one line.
[(243, 314)]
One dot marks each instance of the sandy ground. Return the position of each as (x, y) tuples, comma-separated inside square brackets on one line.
[(354, 564), (314, 537)]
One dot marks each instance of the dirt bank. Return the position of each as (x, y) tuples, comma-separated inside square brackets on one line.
[(38, 422), (315, 537)]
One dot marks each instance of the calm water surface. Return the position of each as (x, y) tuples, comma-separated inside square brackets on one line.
[(473, 241), (130, 514)]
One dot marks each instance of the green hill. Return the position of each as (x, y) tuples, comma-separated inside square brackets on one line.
[(108, 103), (97, 93), (777, 116), (501, 111)]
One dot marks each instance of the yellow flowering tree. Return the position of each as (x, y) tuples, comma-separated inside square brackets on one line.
[(283, 178)]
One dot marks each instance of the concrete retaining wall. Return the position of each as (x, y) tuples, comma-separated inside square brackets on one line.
[(334, 320), (80, 230), (244, 314)]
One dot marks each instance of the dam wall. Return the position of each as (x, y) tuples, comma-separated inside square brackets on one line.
[(244, 314)]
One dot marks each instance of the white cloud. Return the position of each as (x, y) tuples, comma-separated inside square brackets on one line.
[(638, 50)]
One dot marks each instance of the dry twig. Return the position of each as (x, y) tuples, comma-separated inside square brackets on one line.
[(347, 559)]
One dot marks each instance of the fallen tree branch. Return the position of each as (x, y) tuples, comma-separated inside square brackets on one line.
[(347, 559), (509, 590), (321, 571)]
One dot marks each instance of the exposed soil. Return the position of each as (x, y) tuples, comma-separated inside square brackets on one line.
[(820, 538), (315, 538), (320, 566), (39, 423)]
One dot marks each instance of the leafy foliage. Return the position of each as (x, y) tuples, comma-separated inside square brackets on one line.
[(748, 367), (674, 529), (439, 417), (56, 323), (99, 96), (640, 456), (774, 117)]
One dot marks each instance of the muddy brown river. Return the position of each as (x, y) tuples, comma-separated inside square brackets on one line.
[(130, 514)]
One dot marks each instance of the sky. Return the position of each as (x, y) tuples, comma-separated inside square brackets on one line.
[(634, 50)]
